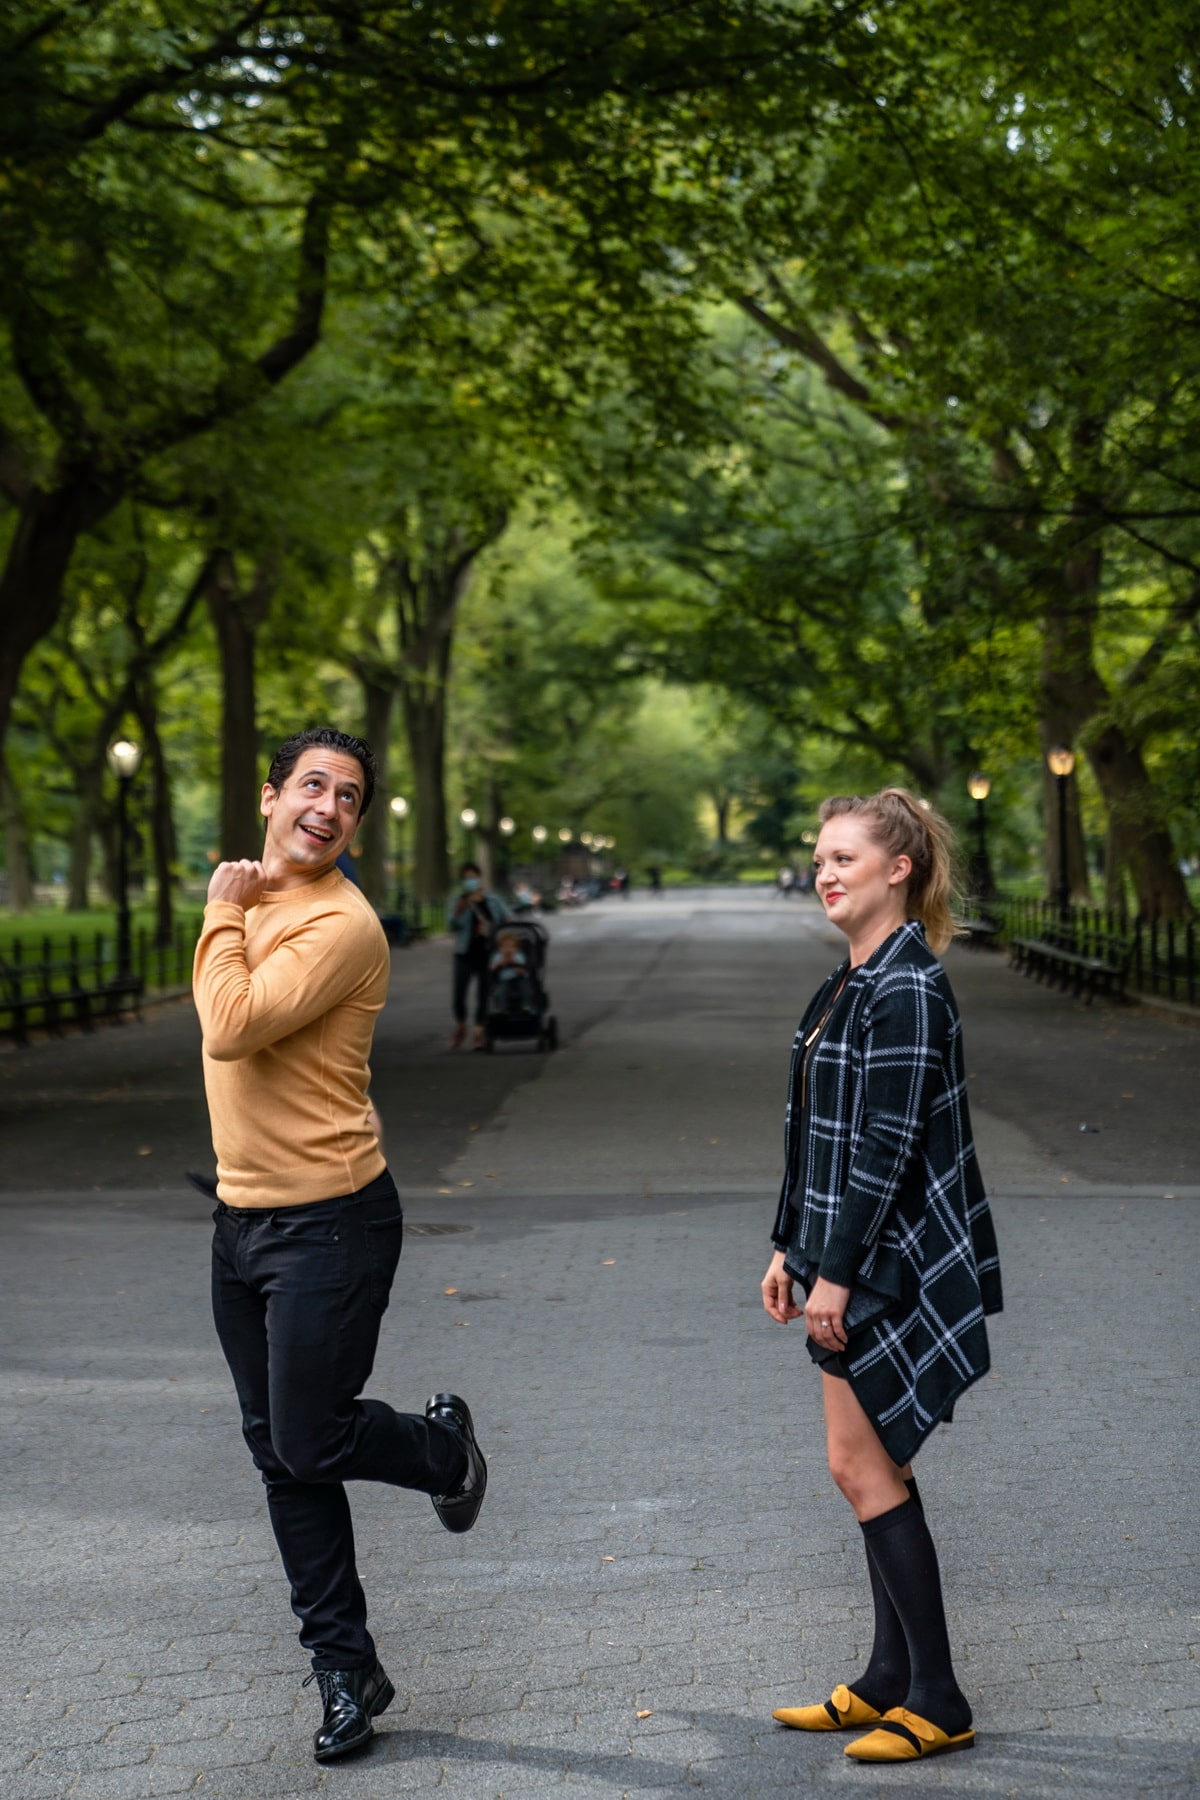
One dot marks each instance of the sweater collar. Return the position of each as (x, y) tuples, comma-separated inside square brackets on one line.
[(911, 932)]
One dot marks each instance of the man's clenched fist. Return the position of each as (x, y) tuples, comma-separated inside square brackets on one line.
[(241, 883)]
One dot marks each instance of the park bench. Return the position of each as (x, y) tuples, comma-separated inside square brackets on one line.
[(980, 932), (53, 991), (1065, 959)]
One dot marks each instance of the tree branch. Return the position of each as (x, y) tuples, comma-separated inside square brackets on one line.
[(164, 78), (235, 392), (800, 336), (1180, 617)]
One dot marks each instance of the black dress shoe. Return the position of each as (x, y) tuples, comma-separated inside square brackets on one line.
[(352, 1699), (458, 1511)]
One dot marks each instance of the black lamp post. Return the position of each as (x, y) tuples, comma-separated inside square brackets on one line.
[(1061, 762), (123, 759), (506, 827), (469, 818), (398, 807), (979, 787)]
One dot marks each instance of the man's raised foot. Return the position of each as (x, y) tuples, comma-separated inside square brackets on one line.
[(459, 1510)]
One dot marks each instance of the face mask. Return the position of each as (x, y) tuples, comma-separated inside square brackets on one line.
[(471, 884)]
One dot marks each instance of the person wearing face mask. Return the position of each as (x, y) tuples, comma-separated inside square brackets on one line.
[(472, 916)]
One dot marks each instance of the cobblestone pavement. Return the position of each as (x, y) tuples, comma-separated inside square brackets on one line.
[(661, 1559)]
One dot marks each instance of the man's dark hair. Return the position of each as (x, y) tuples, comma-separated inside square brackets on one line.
[(324, 737), (469, 868)]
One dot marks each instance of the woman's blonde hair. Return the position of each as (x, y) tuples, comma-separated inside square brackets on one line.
[(900, 824)]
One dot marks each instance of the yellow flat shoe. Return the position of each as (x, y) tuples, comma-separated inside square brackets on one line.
[(903, 1736), (843, 1711)]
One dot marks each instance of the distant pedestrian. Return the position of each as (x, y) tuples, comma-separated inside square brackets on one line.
[(472, 916), (654, 875), (883, 1221), (291, 971)]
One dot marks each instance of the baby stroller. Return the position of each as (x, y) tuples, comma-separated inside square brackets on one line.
[(518, 1004)]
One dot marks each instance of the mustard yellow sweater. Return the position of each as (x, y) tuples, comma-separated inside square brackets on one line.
[(287, 995)]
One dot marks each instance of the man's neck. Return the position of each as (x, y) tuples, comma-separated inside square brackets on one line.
[(284, 876)]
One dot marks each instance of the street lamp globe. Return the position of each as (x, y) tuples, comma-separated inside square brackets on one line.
[(469, 816), (539, 834), (1061, 761), (979, 787), (507, 825), (564, 836), (124, 758), (399, 806)]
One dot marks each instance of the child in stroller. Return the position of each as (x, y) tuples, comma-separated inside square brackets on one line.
[(509, 974), (518, 1004)]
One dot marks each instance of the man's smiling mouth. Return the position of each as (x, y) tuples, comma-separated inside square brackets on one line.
[(319, 837)]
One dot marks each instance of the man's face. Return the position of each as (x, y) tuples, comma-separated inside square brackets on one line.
[(314, 815)]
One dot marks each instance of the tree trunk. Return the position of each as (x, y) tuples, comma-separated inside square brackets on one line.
[(1114, 871), (424, 710), (48, 529), (162, 825), (379, 692), (236, 620), (1074, 697), (89, 787), (1143, 839), (16, 846), (721, 805)]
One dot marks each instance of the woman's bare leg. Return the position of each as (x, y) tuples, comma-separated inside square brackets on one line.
[(858, 1462)]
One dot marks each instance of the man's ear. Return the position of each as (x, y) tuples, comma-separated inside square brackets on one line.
[(267, 799)]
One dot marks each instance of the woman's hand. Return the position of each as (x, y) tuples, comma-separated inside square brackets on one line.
[(825, 1314), (777, 1291)]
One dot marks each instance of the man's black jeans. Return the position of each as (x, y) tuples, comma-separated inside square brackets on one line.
[(472, 965), (298, 1294)]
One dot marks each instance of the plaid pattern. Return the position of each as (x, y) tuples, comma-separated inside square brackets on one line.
[(882, 1192)]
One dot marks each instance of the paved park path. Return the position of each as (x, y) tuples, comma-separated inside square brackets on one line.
[(662, 1558)]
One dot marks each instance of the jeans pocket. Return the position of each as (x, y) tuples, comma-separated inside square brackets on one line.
[(302, 1225), (384, 1240)]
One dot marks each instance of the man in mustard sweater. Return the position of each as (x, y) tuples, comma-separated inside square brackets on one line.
[(291, 970)]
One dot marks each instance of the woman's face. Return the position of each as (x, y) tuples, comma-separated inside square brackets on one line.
[(861, 885)]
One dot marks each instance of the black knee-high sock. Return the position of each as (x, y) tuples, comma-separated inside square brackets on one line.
[(884, 1681), (903, 1553)]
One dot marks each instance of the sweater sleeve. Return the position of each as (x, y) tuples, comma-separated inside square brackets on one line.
[(904, 1044), (317, 965)]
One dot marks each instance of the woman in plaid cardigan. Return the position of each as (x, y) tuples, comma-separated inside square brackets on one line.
[(883, 1221)]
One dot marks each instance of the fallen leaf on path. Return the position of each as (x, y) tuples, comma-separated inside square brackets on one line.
[(644, 1713), (608, 1559), (145, 1150), (610, 1262), (466, 1184), (449, 1290), (445, 1190), (462, 1321)]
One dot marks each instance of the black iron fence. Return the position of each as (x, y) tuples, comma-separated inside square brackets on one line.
[(1161, 952), (56, 980)]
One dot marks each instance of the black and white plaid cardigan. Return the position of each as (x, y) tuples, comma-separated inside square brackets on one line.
[(882, 1193)]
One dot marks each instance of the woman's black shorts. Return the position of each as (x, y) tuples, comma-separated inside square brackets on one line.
[(828, 1361)]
